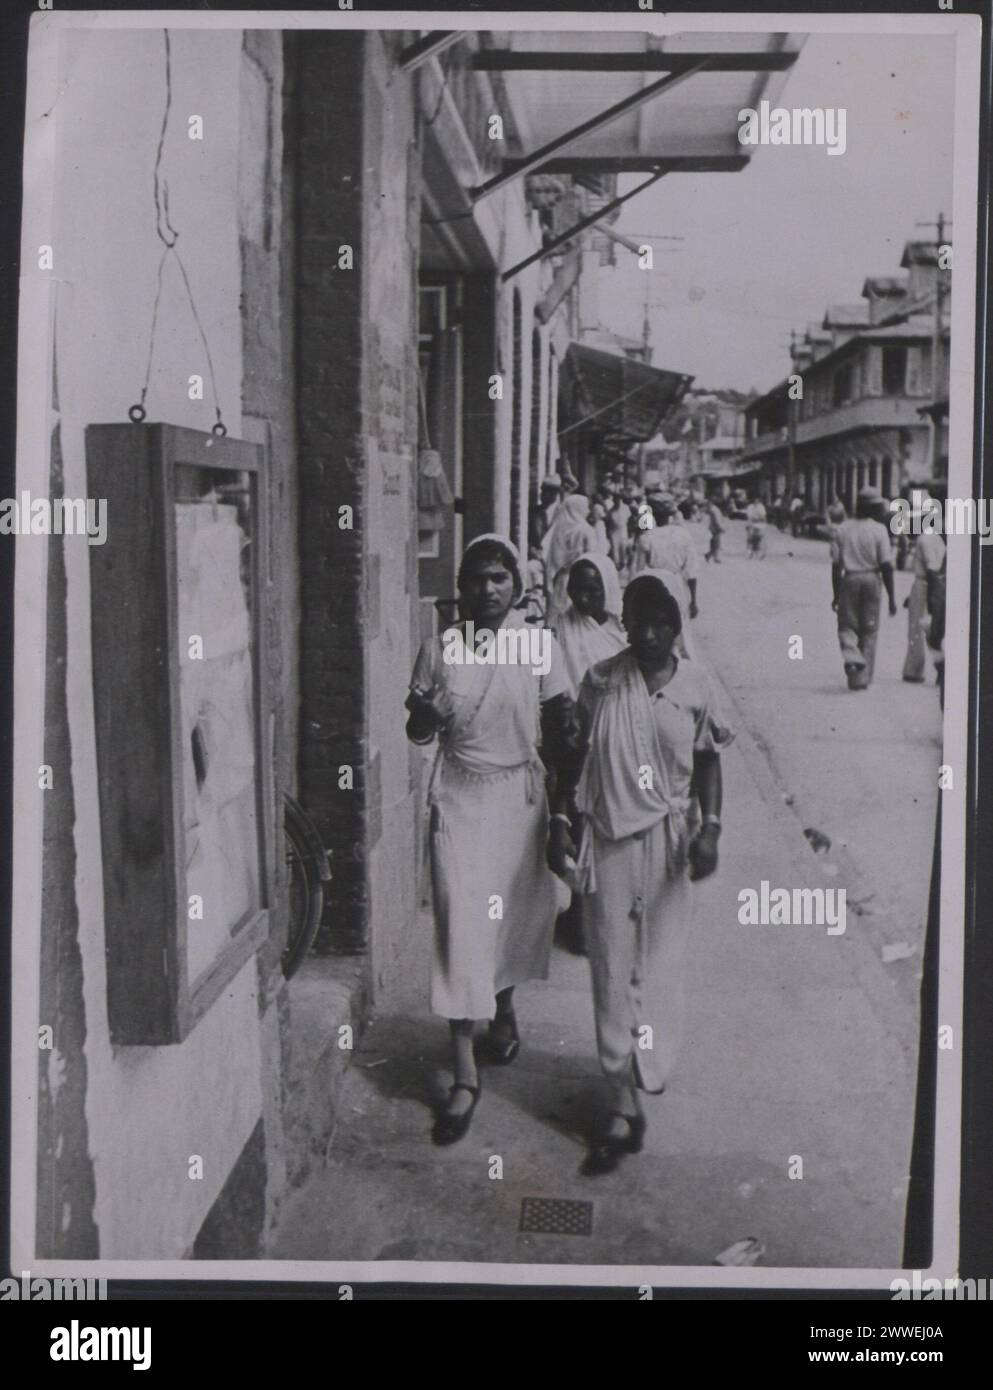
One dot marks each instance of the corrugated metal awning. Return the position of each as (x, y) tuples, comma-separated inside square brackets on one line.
[(617, 397), (577, 76)]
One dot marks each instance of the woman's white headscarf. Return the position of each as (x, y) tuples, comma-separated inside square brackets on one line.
[(570, 534), (607, 571), (513, 555), (583, 640)]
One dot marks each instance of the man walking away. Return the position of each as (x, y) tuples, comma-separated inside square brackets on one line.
[(716, 523), (860, 557), (755, 519), (796, 515)]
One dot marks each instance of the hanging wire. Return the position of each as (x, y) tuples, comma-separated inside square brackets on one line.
[(137, 412), (168, 235), (206, 346), (160, 196)]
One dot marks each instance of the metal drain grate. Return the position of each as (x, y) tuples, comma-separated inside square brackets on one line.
[(556, 1216)]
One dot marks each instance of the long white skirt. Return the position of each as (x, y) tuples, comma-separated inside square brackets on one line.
[(495, 898)]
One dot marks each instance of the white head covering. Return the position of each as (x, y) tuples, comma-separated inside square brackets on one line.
[(512, 553), (674, 584), (570, 533), (609, 576)]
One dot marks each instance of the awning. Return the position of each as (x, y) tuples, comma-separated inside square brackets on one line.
[(619, 399), (580, 104), (676, 97)]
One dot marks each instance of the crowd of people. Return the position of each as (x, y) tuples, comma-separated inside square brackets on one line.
[(591, 792), (616, 521)]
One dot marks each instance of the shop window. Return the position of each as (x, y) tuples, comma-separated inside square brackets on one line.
[(873, 373), (843, 386), (894, 371), (918, 374)]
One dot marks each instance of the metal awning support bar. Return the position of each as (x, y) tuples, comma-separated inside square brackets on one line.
[(429, 47), (579, 132), (580, 226), (641, 164), (509, 60)]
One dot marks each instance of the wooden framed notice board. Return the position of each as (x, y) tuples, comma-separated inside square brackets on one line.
[(181, 708)]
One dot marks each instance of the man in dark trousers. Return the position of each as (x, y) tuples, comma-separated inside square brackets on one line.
[(860, 558)]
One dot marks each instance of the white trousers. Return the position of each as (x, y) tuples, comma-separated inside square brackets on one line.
[(638, 923)]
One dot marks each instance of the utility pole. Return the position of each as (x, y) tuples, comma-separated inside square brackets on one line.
[(791, 428), (646, 357), (940, 225)]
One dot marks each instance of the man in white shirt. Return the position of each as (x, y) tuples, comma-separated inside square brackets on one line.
[(929, 558), (860, 558)]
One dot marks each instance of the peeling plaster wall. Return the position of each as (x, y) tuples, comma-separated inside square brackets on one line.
[(147, 1109)]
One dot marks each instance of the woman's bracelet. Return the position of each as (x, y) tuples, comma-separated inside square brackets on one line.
[(559, 816), (712, 820)]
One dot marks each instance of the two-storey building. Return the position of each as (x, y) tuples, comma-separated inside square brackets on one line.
[(865, 396)]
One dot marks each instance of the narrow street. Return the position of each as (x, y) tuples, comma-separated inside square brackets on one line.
[(797, 1043)]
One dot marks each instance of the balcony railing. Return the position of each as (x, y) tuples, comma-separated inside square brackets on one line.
[(872, 412)]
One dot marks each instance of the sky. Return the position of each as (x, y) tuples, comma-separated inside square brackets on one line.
[(770, 247)]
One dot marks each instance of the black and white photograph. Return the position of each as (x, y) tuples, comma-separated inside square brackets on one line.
[(495, 530)]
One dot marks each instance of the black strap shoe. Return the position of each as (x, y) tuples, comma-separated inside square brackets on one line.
[(607, 1150), (502, 1041), (448, 1128)]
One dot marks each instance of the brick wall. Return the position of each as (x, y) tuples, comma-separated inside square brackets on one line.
[(329, 209), (358, 170)]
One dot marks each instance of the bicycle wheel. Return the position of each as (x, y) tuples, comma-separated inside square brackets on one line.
[(309, 870)]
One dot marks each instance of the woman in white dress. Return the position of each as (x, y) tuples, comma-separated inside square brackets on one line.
[(495, 899)]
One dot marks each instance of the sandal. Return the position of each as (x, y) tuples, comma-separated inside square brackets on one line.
[(449, 1129)]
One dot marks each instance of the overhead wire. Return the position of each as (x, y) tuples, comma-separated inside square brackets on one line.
[(168, 235)]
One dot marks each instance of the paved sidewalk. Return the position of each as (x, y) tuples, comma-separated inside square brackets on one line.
[(797, 1044), (860, 767)]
